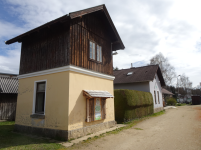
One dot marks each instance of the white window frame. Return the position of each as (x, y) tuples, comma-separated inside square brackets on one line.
[(34, 95)]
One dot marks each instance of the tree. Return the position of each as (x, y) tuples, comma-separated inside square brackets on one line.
[(168, 71), (115, 68)]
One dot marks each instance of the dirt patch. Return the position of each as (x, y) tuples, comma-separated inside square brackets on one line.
[(176, 129), (198, 112)]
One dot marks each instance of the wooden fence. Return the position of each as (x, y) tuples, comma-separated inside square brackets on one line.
[(8, 103)]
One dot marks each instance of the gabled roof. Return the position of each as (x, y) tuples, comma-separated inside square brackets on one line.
[(73, 15), (164, 91), (139, 74), (9, 85)]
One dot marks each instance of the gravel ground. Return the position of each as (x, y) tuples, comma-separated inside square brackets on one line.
[(177, 129)]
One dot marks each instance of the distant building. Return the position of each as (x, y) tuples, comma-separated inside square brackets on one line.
[(146, 78), (8, 96), (166, 94)]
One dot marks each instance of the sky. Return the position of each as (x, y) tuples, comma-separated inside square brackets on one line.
[(146, 27)]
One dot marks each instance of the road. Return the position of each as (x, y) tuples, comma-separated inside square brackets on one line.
[(177, 129)]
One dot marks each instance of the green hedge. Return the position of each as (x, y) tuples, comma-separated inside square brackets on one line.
[(131, 104)]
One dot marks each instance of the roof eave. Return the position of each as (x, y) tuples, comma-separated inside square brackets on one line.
[(71, 16), (19, 38)]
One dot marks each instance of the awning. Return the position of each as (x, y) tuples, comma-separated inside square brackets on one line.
[(96, 93), (164, 91)]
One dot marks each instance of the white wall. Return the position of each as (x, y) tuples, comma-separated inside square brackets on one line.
[(156, 86), (141, 86)]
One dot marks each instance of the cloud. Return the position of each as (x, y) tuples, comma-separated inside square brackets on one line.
[(10, 62), (7, 30), (145, 26)]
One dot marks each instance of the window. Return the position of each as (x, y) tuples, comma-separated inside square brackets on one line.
[(92, 50), (95, 50), (40, 97), (96, 109), (99, 53), (158, 97), (155, 97), (130, 73)]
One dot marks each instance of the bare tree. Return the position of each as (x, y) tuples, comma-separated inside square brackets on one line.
[(168, 71), (185, 82)]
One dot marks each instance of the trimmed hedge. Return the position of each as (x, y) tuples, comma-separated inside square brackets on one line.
[(132, 104), (171, 101)]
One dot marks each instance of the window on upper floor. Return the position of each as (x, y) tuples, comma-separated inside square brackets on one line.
[(99, 53), (95, 51)]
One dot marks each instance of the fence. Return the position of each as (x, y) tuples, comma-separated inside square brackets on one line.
[(8, 104)]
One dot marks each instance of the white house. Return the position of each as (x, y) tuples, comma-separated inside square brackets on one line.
[(146, 78)]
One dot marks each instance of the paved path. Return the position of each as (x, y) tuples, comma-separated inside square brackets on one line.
[(177, 129)]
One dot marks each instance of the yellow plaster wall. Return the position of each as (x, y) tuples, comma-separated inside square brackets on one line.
[(77, 102), (56, 107)]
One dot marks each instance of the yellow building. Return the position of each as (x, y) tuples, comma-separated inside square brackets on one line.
[(65, 79)]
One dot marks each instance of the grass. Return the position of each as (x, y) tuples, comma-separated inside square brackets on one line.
[(181, 104), (10, 140), (138, 128), (14, 141)]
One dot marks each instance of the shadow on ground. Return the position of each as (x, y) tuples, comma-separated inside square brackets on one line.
[(12, 140)]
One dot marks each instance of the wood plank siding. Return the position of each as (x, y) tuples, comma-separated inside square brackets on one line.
[(8, 104), (84, 29), (68, 44), (45, 49)]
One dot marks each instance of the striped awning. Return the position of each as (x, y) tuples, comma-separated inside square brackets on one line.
[(96, 93)]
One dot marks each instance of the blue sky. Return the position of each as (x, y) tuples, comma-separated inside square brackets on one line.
[(146, 27)]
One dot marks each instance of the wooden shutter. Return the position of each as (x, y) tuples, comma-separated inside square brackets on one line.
[(90, 110), (103, 108)]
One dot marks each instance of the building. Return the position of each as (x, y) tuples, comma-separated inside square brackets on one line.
[(146, 78), (166, 94), (8, 96), (66, 75)]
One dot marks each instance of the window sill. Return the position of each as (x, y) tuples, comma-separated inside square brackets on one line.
[(93, 60), (38, 116)]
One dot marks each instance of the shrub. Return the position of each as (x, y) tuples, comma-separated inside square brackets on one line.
[(171, 101), (131, 104)]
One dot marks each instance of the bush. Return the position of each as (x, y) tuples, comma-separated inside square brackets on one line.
[(131, 104), (171, 101)]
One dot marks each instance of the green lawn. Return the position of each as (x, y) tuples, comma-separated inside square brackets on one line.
[(10, 140)]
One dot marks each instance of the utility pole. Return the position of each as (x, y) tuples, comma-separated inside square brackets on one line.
[(178, 88)]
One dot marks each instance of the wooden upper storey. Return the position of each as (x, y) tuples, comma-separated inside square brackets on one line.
[(65, 41)]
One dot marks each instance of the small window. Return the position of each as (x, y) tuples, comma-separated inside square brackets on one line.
[(155, 97), (96, 109), (95, 51), (99, 53), (158, 97), (92, 50), (130, 73), (40, 98)]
